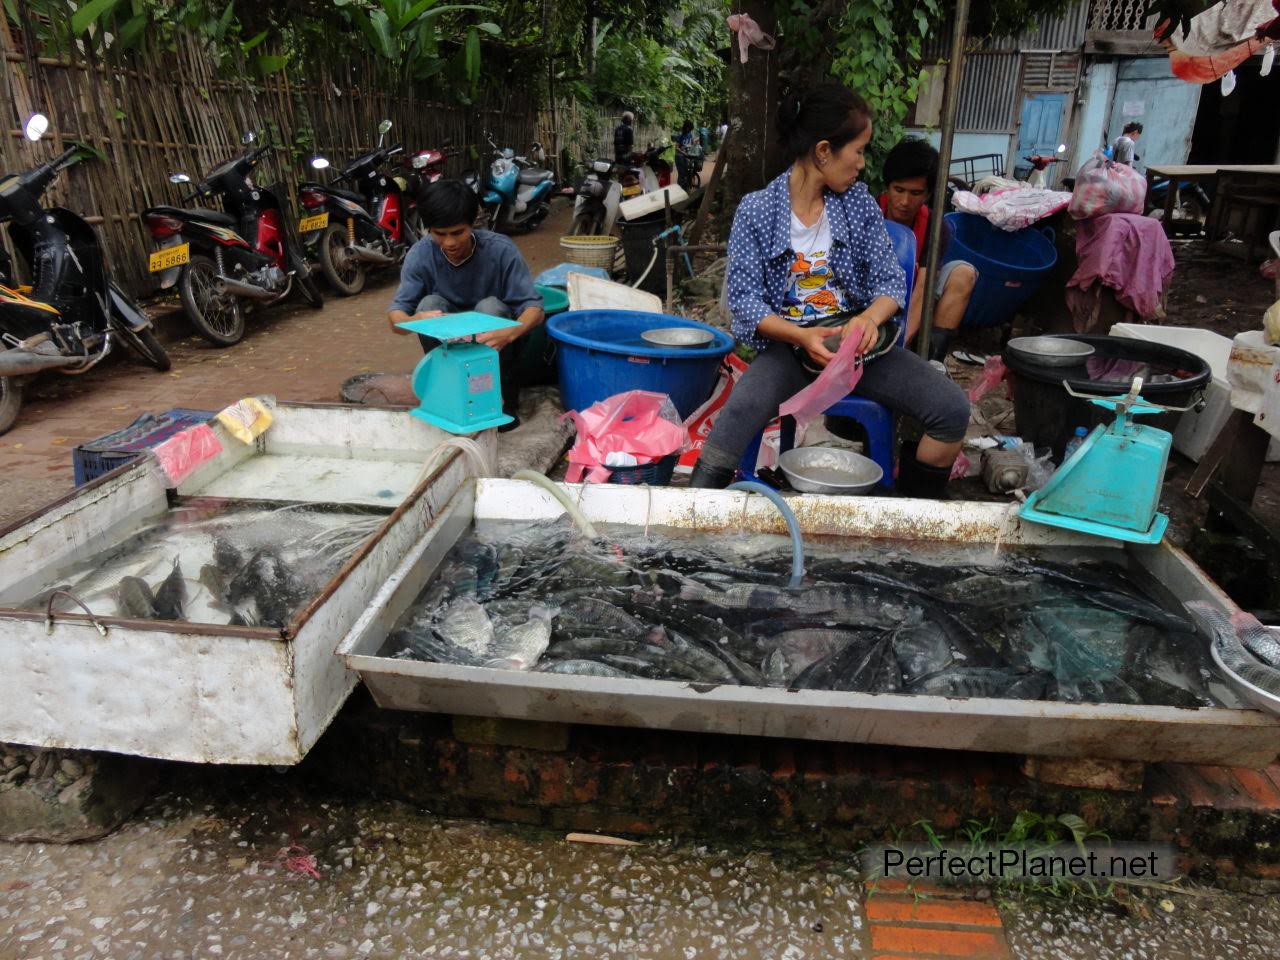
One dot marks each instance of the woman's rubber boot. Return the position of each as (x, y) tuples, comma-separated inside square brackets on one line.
[(706, 477), (921, 480), (940, 342)]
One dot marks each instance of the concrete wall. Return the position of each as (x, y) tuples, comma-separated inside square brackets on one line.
[(969, 144)]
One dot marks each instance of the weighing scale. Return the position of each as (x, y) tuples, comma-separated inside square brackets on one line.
[(459, 383), (1110, 487)]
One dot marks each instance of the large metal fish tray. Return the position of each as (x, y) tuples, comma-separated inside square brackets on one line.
[(1113, 731), (203, 692)]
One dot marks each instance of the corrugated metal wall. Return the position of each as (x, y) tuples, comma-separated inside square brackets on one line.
[(989, 93)]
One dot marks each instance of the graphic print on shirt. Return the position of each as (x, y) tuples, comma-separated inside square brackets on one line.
[(811, 291)]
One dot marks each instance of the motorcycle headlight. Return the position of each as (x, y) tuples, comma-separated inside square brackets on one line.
[(500, 167), (601, 166)]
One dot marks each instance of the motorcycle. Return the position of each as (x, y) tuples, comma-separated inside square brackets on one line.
[(420, 170), (517, 191), (597, 196), (1040, 163), (71, 316), (655, 167), (355, 230), (217, 258)]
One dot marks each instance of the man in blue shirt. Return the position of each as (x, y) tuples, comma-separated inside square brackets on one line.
[(455, 269)]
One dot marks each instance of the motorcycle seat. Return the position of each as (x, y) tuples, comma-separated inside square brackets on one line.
[(337, 192), (533, 177), (198, 213)]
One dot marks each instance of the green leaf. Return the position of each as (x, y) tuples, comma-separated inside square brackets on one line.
[(271, 64), (91, 13), (254, 41), (454, 7), (490, 28), (473, 56), (386, 44), (418, 9), (224, 22), (132, 30), (120, 114)]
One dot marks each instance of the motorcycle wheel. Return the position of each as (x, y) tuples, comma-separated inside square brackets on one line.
[(306, 280), (10, 402), (216, 316), (587, 225), (145, 344), (345, 274), (485, 220)]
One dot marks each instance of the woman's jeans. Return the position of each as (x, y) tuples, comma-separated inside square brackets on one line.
[(900, 380)]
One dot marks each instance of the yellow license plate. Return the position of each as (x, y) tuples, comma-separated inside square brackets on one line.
[(170, 257), (631, 191), (318, 222)]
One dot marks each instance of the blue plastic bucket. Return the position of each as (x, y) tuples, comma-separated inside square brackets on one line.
[(601, 354), (1011, 266)]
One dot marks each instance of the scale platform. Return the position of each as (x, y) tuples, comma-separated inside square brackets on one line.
[(459, 383)]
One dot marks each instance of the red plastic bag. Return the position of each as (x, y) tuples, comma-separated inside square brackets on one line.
[(1104, 186), (701, 421), (627, 429)]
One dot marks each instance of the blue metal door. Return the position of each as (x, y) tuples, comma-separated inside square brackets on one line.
[(1163, 104), (1040, 130)]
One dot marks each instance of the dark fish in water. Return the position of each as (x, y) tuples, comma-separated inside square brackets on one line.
[(465, 624), (584, 616), (857, 605), (742, 671), (584, 668), (867, 665), (792, 651), (226, 557), (995, 590), (519, 647), (171, 598), (921, 649), (1138, 608), (425, 644), (1096, 691), (271, 584), (1073, 657), (599, 648), (214, 580), (981, 682), (134, 599)]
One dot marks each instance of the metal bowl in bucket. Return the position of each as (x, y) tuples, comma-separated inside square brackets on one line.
[(1051, 351), (678, 337), (829, 470)]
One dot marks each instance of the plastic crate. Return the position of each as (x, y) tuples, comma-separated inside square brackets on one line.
[(97, 457), (656, 474)]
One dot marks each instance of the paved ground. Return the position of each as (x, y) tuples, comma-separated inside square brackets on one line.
[(294, 352)]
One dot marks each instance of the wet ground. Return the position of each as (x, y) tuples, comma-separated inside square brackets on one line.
[(261, 879)]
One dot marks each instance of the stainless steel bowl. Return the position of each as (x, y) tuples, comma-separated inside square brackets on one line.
[(678, 337), (1247, 691), (1051, 351), (829, 470)]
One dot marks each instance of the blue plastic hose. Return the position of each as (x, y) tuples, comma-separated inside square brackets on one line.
[(793, 525)]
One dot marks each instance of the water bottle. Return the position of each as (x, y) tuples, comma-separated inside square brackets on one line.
[(1074, 443)]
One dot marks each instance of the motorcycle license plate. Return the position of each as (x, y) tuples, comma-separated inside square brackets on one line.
[(318, 222), (169, 257), (631, 191)]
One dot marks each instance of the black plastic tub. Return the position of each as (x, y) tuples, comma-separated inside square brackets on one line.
[(637, 247), (1048, 416)]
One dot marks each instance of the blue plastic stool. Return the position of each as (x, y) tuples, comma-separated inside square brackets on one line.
[(875, 418)]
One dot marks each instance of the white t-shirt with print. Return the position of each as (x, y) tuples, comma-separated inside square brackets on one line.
[(812, 292)]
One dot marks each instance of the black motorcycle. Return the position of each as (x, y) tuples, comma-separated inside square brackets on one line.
[(218, 258), (354, 230), (73, 313)]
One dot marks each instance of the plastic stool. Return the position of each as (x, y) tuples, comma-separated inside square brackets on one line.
[(877, 420)]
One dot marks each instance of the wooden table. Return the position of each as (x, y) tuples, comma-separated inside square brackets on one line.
[(1196, 173)]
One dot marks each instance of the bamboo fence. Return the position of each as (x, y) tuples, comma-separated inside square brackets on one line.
[(161, 111)]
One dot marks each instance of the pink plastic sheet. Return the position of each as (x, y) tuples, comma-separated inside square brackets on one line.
[(638, 422), (183, 452), (834, 383)]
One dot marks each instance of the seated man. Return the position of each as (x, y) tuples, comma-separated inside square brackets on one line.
[(455, 268), (910, 172)]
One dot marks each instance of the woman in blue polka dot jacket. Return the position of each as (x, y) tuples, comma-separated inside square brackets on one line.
[(809, 248)]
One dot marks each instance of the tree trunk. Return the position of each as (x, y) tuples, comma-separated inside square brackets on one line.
[(754, 157)]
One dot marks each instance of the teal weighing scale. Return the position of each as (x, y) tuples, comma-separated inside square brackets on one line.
[(459, 383), (1110, 487)]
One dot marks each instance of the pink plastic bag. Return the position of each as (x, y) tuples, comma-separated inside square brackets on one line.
[(1104, 186), (183, 452), (636, 424), (993, 371), (835, 382)]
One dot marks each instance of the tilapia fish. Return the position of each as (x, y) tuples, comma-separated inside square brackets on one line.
[(134, 599), (270, 583), (171, 598), (520, 646), (844, 603), (583, 668), (584, 616), (868, 666), (465, 624), (981, 682)]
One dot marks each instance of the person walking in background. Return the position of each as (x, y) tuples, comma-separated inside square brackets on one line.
[(624, 138), (1123, 151)]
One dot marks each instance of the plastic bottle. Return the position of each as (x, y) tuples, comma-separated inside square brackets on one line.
[(1074, 443)]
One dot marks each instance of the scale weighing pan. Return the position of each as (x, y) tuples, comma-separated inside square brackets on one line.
[(454, 326), (1051, 351), (678, 337)]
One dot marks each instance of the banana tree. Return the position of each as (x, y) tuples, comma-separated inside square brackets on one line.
[(410, 35)]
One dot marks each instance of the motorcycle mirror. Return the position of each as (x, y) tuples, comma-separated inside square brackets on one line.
[(384, 126), (179, 178), (37, 126), (248, 137), (319, 163), (1062, 148)]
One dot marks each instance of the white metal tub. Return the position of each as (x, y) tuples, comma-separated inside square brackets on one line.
[(1113, 731)]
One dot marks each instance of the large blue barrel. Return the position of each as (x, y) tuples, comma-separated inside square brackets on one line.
[(1011, 266), (601, 354)]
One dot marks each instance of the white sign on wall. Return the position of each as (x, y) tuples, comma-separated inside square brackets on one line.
[(1134, 108)]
